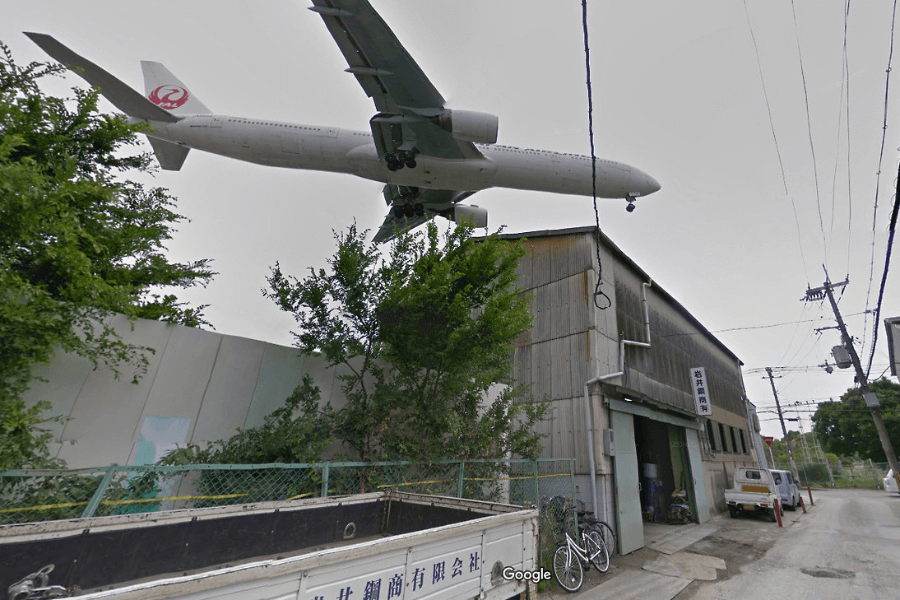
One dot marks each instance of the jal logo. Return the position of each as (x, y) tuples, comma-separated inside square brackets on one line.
[(169, 96)]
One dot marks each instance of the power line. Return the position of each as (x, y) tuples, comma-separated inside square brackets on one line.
[(812, 148), (887, 264), (775, 139), (845, 93), (598, 292), (887, 87)]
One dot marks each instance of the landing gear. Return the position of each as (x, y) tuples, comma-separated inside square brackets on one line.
[(403, 158), (405, 211), (408, 158), (392, 162), (630, 207)]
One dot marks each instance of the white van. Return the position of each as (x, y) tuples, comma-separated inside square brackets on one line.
[(788, 492), (890, 484)]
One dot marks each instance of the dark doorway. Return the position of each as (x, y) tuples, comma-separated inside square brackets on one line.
[(651, 440)]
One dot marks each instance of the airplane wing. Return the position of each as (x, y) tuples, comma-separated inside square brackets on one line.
[(433, 202), (407, 102)]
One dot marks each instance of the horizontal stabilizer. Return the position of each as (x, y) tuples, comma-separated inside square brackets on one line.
[(118, 93), (170, 156)]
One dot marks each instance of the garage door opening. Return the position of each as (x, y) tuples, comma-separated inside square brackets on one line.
[(665, 477)]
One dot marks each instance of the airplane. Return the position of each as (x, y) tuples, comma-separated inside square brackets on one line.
[(429, 157)]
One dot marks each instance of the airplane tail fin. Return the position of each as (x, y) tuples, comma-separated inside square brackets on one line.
[(165, 90)]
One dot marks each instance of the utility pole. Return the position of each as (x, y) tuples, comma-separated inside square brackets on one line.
[(783, 428), (870, 398)]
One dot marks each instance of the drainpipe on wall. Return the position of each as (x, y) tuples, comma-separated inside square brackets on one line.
[(589, 421)]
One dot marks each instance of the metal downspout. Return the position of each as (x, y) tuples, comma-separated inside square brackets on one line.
[(588, 413)]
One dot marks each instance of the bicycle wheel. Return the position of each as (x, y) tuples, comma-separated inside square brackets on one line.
[(596, 551), (567, 569), (606, 534)]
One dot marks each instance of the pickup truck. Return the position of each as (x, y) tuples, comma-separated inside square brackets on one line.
[(753, 492), (380, 546)]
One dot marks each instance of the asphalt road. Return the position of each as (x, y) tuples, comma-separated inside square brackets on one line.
[(847, 546)]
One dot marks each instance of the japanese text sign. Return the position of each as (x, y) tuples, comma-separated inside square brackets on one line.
[(701, 391)]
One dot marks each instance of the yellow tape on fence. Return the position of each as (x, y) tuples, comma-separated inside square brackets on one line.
[(119, 502)]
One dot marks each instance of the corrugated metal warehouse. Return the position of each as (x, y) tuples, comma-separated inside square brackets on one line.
[(647, 439)]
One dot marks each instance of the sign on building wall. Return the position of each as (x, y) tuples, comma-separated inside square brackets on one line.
[(701, 391)]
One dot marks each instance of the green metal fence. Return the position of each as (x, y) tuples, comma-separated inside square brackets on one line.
[(41, 495), (843, 474)]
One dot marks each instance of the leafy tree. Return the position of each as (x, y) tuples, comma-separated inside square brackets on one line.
[(846, 427), (424, 336), (78, 243)]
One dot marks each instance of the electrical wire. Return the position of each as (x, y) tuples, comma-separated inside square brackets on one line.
[(775, 139), (812, 148), (598, 292), (887, 87), (845, 93), (887, 264)]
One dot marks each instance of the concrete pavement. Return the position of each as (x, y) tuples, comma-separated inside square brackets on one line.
[(676, 556)]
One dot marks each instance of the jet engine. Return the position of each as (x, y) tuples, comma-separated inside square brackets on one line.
[(470, 126), (475, 215)]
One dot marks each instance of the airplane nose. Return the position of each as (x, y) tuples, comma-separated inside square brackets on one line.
[(643, 183)]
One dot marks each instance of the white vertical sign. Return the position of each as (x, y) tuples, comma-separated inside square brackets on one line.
[(701, 391)]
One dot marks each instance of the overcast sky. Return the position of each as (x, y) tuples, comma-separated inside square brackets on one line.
[(677, 93)]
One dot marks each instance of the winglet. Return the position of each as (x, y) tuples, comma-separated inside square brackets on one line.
[(129, 101)]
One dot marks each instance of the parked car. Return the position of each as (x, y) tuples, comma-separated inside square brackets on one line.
[(753, 493), (890, 483), (788, 492)]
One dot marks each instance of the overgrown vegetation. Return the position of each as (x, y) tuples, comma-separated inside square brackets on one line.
[(79, 242)]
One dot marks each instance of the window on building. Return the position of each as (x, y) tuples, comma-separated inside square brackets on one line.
[(710, 435), (726, 439), (735, 447), (744, 443)]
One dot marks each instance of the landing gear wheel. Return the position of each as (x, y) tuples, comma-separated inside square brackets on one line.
[(630, 207), (407, 157), (393, 163)]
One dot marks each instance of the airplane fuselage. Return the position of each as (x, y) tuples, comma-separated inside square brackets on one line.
[(311, 147)]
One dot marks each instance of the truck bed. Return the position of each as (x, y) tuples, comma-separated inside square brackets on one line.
[(319, 549)]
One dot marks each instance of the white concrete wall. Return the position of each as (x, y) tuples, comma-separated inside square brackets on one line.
[(200, 386)]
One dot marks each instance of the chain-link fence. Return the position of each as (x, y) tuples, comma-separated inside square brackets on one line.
[(842, 474), (41, 495)]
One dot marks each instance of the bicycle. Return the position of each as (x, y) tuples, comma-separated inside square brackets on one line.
[(570, 559), (602, 528)]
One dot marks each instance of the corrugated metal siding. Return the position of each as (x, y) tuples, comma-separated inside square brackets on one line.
[(663, 371), (572, 341)]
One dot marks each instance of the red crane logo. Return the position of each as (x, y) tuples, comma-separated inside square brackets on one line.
[(169, 97)]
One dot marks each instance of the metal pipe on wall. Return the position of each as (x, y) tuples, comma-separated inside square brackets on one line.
[(588, 413)]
